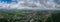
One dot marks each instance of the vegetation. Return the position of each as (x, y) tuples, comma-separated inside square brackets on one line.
[(29, 16)]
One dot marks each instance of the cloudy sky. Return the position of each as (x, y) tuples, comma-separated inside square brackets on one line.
[(30, 4)]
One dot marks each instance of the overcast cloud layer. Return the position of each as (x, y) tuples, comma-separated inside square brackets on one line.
[(31, 4)]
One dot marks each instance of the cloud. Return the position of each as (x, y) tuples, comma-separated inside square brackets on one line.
[(31, 4)]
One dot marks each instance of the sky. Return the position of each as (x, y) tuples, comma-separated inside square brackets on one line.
[(57, 1), (6, 1), (30, 4)]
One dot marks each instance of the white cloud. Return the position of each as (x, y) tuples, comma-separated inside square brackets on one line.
[(25, 4)]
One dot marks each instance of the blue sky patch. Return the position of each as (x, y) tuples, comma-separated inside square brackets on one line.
[(57, 1), (7, 1)]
